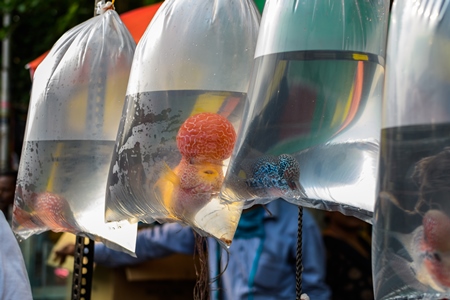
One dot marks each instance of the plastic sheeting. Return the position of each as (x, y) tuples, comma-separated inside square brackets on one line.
[(76, 101), (312, 123), (187, 88), (412, 214)]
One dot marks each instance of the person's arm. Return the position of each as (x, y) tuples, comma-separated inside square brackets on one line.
[(14, 281), (314, 261), (151, 243)]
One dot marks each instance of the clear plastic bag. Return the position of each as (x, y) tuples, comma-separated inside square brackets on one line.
[(312, 125), (76, 101), (411, 252), (184, 104)]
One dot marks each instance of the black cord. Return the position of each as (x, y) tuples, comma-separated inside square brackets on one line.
[(299, 258)]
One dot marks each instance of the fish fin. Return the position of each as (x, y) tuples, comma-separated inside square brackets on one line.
[(169, 175), (297, 186), (410, 272), (165, 187), (302, 191)]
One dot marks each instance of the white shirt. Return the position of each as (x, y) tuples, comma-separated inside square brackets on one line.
[(14, 281)]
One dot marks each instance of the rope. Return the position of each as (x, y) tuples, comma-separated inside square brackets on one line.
[(201, 288), (299, 257)]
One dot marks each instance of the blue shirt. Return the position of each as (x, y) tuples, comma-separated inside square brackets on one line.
[(274, 277)]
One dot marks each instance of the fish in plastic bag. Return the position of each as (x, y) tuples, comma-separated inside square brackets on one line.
[(315, 96), (185, 97), (412, 221), (76, 101), (414, 169), (271, 176), (422, 259), (204, 140)]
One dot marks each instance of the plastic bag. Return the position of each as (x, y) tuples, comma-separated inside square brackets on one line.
[(184, 104), (76, 101), (412, 211), (311, 132)]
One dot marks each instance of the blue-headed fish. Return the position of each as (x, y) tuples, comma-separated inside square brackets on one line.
[(278, 176)]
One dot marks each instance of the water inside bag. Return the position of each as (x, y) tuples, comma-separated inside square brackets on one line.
[(322, 108), (152, 180), (411, 230)]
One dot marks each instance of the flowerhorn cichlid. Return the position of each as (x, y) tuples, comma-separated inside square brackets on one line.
[(204, 141)]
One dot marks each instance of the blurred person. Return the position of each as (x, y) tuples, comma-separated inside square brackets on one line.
[(261, 262), (14, 281), (7, 190), (349, 264)]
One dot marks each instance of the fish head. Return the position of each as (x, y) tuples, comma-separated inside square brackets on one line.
[(289, 167), (264, 172), (437, 230), (437, 265), (206, 136), (200, 176), (429, 252), (436, 243), (408, 263)]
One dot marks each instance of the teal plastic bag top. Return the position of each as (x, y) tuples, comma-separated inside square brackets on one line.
[(312, 121), (76, 102), (411, 249), (184, 104)]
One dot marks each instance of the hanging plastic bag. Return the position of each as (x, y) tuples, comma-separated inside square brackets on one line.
[(412, 211), (76, 101), (184, 104), (311, 131)]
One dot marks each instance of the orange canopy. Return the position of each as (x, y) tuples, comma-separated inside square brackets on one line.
[(135, 20)]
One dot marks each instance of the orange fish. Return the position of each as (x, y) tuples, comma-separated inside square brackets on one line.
[(204, 141)]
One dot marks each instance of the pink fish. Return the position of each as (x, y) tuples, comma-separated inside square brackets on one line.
[(429, 248), (45, 211), (189, 187), (53, 210)]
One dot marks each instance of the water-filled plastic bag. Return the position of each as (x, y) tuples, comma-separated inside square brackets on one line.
[(185, 97), (76, 102), (411, 249), (312, 121)]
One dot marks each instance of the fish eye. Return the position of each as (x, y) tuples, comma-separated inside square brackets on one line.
[(437, 257)]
